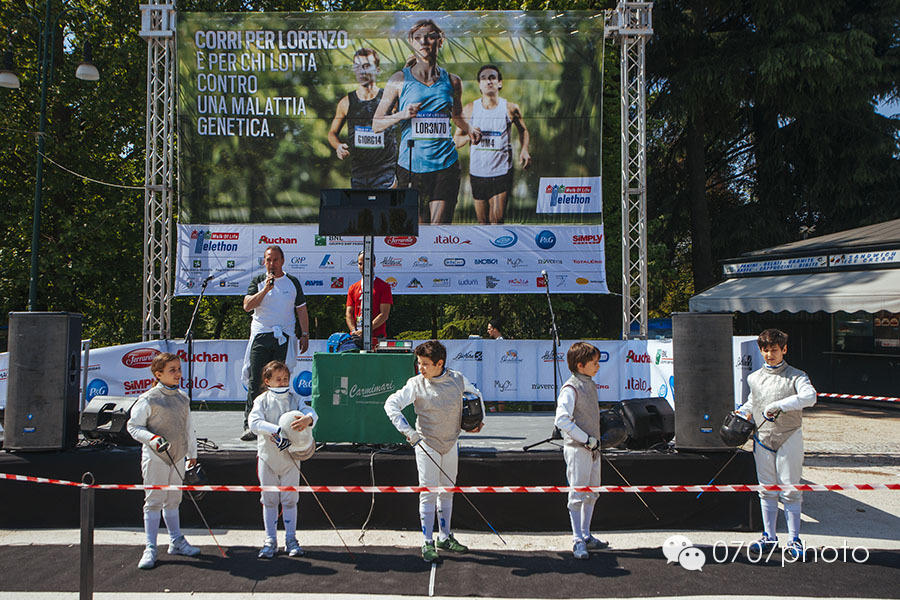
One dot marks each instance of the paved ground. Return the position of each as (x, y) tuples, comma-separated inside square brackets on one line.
[(844, 444)]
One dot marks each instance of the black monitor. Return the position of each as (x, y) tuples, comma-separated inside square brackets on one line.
[(369, 212)]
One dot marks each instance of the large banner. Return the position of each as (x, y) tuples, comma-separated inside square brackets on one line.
[(504, 370), (273, 107), (452, 259)]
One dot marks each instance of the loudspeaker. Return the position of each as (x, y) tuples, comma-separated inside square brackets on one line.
[(42, 390), (648, 421), (704, 379), (105, 417)]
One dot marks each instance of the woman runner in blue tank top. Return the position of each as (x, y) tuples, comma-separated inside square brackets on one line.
[(428, 99)]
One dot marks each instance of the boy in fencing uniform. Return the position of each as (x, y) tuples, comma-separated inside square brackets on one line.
[(161, 421), (578, 418), (778, 395), (274, 464), (436, 393)]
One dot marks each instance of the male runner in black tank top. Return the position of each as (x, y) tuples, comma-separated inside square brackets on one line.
[(373, 156)]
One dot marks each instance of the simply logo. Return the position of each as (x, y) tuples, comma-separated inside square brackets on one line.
[(505, 241), (587, 238), (545, 240)]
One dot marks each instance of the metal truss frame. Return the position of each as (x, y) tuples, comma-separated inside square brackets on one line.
[(158, 28), (632, 25)]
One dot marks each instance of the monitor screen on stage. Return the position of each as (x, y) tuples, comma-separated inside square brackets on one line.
[(369, 212)]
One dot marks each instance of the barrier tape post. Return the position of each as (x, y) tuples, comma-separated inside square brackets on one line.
[(86, 548)]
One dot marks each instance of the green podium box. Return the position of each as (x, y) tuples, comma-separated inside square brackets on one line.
[(348, 393)]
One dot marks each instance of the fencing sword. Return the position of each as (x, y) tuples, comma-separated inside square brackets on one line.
[(466, 498), (316, 496), (197, 506), (647, 506), (719, 472)]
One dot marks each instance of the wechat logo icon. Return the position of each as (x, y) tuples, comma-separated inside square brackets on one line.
[(678, 548)]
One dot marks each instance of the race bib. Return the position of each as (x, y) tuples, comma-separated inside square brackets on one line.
[(364, 137), (490, 140), (431, 126)]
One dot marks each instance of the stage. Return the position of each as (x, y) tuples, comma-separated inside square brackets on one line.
[(493, 457)]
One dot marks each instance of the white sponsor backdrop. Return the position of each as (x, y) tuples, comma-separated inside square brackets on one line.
[(487, 259), (505, 370)]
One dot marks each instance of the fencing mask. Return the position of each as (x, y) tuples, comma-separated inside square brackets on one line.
[(196, 476), (612, 429), (736, 430), (302, 443), (472, 411)]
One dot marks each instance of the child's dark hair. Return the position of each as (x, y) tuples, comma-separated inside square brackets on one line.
[(432, 349), (772, 337), (159, 362), (270, 369), (579, 354)]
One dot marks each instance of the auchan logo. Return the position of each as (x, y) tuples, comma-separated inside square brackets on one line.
[(400, 241), (264, 239), (637, 358), (204, 356), (139, 358)]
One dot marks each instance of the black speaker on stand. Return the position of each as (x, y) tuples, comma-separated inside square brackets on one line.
[(42, 390), (105, 417), (648, 421), (704, 379)]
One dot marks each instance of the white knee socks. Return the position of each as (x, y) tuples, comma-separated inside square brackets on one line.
[(173, 522), (769, 507), (270, 521), (151, 526)]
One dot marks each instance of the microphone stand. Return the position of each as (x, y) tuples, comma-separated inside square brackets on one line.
[(189, 339), (554, 341)]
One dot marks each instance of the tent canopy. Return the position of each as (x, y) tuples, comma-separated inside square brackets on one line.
[(849, 291)]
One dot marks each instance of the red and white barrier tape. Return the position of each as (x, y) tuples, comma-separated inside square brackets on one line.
[(475, 489), (859, 397)]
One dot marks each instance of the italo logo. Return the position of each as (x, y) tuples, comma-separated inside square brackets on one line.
[(587, 238), (391, 282), (414, 283), (545, 239), (139, 358), (637, 358), (338, 283), (314, 283), (454, 262), (485, 261), (569, 194), (400, 241), (505, 241), (450, 239), (264, 239), (204, 356)]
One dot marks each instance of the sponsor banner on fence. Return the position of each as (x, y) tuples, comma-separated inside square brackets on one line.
[(504, 370), (490, 259), (569, 195)]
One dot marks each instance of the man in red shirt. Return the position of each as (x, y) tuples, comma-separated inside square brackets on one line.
[(382, 300)]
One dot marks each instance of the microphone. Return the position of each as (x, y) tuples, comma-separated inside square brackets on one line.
[(544, 275), (208, 279)]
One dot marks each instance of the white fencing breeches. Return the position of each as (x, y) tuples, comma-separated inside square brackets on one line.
[(269, 477), (582, 468), (785, 466), (430, 475), (159, 471)]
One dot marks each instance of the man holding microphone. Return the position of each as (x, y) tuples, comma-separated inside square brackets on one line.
[(279, 318)]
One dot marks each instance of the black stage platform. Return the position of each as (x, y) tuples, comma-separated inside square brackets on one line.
[(41, 505)]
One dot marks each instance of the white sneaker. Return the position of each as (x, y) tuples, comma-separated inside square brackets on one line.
[(148, 558), (292, 547), (579, 550), (268, 550), (181, 546)]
